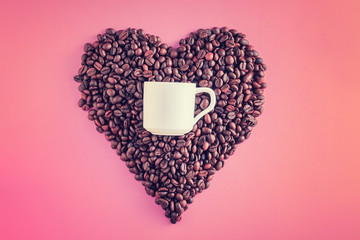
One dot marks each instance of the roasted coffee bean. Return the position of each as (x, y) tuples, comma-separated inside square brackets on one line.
[(204, 103), (207, 118), (197, 166), (149, 61), (147, 73), (201, 54), (229, 60), (211, 138), (218, 83), (219, 165), (247, 108), (106, 46), (131, 88), (90, 72), (231, 115), (179, 197), (123, 35), (230, 108), (201, 184), (149, 53), (173, 169), (177, 155), (164, 204), (243, 41), (230, 43), (209, 56), (180, 143), (186, 194), (183, 168), (207, 166), (184, 67), (225, 88), (248, 77), (117, 113), (203, 83), (168, 71), (203, 173), (206, 130)]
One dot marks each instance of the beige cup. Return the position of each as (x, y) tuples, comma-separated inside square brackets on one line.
[(169, 107)]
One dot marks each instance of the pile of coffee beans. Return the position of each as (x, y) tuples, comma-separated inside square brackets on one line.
[(173, 169)]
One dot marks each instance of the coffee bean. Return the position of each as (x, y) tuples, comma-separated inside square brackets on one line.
[(180, 143), (207, 166), (179, 208), (184, 67), (106, 46), (90, 72), (203, 83), (201, 184), (203, 173), (168, 71), (112, 80), (177, 155), (164, 204), (230, 108), (123, 35), (205, 146), (164, 164), (207, 118), (218, 83), (179, 197), (108, 114), (105, 70), (183, 169), (243, 41), (131, 88), (201, 54), (232, 102), (258, 103), (98, 66), (219, 165), (211, 138), (196, 165), (147, 73), (229, 60), (231, 115), (146, 140), (158, 152), (129, 152), (149, 53), (110, 92), (209, 56), (117, 113), (149, 61), (247, 108), (206, 130), (230, 43), (248, 77), (204, 103), (225, 88)]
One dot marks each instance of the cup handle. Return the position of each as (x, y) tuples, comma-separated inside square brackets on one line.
[(211, 105)]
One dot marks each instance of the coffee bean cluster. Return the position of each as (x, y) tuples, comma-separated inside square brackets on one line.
[(173, 169)]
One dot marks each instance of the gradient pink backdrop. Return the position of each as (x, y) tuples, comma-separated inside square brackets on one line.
[(297, 177)]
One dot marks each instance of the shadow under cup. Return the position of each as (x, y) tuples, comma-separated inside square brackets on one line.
[(169, 107)]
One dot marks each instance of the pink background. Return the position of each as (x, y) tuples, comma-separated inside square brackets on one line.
[(297, 177)]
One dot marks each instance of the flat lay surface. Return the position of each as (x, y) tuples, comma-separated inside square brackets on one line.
[(296, 177)]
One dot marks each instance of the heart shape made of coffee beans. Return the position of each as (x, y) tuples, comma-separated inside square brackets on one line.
[(173, 169)]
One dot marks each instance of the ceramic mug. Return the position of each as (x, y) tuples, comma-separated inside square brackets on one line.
[(169, 107)]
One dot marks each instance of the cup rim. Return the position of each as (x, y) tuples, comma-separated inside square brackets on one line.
[(169, 83)]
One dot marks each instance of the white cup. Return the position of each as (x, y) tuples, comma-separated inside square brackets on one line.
[(169, 107)]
